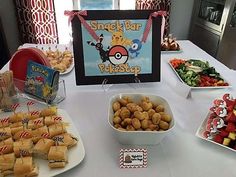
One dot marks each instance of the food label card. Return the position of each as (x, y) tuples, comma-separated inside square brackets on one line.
[(133, 158), (41, 81)]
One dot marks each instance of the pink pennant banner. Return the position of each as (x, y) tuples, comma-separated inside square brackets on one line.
[(149, 24), (80, 15)]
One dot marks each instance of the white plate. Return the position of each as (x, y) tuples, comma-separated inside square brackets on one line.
[(200, 131), (60, 47), (171, 51), (75, 154), (215, 87)]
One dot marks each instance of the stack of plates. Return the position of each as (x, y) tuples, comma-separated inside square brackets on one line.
[(19, 61)]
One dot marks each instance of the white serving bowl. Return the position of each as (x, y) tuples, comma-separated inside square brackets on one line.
[(140, 137)]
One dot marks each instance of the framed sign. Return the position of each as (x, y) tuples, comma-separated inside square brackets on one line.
[(119, 46)]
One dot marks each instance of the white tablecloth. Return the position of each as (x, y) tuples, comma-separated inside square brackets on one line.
[(181, 154)]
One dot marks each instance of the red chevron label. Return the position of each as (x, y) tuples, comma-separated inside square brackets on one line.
[(133, 158), (30, 103), (45, 135), (2, 149), (35, 113), (57, 119), (37, 122), (5, 120), (24, 134), (14, 106)]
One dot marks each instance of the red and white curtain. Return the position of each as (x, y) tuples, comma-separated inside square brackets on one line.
[(158, 5), (37, 21)]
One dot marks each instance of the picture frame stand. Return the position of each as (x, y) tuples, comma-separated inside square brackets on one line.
[(133, 85), (106, 86)]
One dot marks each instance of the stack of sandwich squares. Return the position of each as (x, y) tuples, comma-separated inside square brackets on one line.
[(20, 142)]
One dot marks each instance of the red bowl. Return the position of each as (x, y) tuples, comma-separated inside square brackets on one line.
[(19, 61)]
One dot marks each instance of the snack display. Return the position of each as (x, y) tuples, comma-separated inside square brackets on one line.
[(140, 116), (220, 125), (169, 44), (197, 73), (7, 89), (59, 56), (26, 139), (59, 60)]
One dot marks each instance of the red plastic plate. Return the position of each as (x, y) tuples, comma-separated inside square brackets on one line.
[(19, 61)]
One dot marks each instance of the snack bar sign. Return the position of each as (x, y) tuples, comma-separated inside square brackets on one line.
[(119, 47), (114, 45)]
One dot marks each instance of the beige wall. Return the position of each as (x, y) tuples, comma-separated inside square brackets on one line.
[(9, 22)]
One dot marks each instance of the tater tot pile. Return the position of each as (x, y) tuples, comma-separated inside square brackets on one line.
[(142, 116)]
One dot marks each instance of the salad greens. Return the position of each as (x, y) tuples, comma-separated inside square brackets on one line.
[(199, 63), (193, 78), (188, 76)]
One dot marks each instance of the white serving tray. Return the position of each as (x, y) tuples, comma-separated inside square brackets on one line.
[(75, 154), (215, 87), (200, 131)]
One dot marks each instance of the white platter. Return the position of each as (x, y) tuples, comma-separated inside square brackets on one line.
[(171, 51), (200, 131), (215, 87), (75, 154), (60, 47)]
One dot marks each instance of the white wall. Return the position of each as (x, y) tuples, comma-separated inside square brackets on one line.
[(9, 22), (180, 18), (181, 11)]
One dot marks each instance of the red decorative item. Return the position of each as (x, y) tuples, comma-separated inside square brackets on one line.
[(30, 103), (37, 21), (2, 149), (37, 122), (57, 119), (45, 135), (5, 120), (14, 106), (24, 134), (223, 133), (230, 127), (218, 139), (163, 5), (231, 117), (35, 113)]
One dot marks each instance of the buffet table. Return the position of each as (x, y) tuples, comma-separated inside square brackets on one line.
[(180, 154)]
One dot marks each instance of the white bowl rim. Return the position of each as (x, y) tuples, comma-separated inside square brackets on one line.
[(138, 131)]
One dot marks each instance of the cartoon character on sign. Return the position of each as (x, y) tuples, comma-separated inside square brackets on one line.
[(135, 48), (39, 80), (118, 55), (128, 159), (103, 54), (118, 38), (30, 85), (46, 89)]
